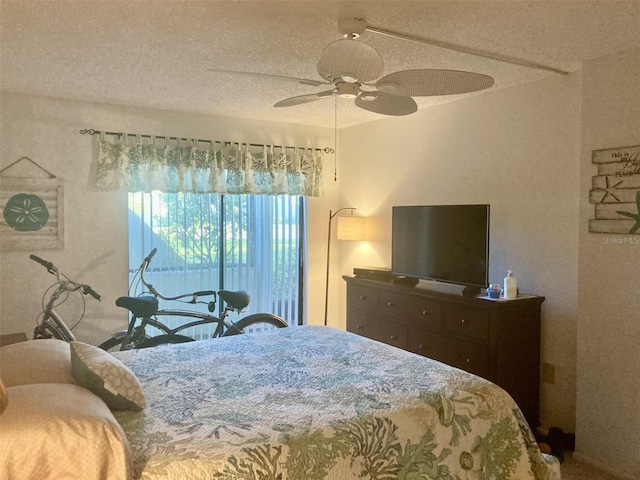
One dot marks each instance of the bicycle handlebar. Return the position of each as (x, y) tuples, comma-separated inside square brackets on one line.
[(51, 268), (194, 296), (48, 265), (148, 258), (204, 293), (88, 290)]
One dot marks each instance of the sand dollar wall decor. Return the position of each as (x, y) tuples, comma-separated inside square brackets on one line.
[(31, 209)]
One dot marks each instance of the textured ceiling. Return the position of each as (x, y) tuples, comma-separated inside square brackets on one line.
[(158, 54)]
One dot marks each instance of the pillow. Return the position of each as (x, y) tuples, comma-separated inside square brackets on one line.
[(61, 431), (36, 361), (4, 399), (107, 377)]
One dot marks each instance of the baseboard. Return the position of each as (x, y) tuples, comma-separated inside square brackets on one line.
[(583, 458)]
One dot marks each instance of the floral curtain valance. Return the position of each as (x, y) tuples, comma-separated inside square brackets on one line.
[(178, 165)]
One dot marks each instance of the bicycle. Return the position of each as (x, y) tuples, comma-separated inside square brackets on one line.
[(49, 323), (145, 312)]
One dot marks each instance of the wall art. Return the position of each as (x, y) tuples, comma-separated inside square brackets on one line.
[(615, 191), (31, 208)]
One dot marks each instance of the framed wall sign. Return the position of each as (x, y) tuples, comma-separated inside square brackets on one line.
[(615, 191), (31, 210)]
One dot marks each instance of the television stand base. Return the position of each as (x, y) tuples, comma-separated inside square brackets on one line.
[(470, 291)]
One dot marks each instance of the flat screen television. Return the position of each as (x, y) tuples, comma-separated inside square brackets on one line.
[(445, 243)]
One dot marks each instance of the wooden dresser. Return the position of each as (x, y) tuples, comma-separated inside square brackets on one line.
[(497, 340), (9, 338)]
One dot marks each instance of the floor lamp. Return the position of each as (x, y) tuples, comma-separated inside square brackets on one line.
[(349, 228)]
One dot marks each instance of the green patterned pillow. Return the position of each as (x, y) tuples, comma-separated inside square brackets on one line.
[(107, 377)]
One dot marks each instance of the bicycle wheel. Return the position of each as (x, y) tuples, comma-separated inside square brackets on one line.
[(256, 323), (164, 340), (113, 344)]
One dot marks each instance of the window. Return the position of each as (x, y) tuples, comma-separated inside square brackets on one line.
[(212, 242)]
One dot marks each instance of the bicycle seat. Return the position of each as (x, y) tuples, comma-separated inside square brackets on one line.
[(144, 306), (237, 300)]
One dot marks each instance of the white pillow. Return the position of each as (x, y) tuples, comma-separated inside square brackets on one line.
[(36, 361), (4, 398), (55, 430), (107, 377)]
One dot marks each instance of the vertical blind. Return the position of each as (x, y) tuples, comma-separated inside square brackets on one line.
[(210, 241)]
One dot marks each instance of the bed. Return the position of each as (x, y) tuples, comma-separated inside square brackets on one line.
[(318, 403), (308, 403)]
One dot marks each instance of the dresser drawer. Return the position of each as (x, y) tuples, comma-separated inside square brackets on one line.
[(393, 305), (422, 341), (426, 313), (470, 356), (363, 299), (466, 321), (382, 330), (409, 308)]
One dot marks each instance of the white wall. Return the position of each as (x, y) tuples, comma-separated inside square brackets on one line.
[(527, 152), (516, 149), (95, 249), (608, 376)]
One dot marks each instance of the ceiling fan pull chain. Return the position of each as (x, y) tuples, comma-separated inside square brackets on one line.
[(335, 138)]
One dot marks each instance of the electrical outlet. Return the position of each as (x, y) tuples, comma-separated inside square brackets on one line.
[(548, 373)]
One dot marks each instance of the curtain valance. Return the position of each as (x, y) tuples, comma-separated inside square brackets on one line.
[(145, 163)]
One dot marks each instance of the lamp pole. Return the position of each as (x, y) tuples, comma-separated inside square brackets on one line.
[(326, 289)]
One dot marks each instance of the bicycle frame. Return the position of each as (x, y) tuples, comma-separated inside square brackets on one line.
[(202, 319), (193, 296), (52, 323), (145, 312)]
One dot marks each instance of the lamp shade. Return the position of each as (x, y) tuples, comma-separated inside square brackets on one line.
[(351, 227)]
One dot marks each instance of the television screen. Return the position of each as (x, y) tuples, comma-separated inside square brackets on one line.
[(447, 243)]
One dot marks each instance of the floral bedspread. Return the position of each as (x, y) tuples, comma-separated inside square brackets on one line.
[(312, 402)]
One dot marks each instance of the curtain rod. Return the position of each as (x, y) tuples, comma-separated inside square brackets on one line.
[(91, 131)]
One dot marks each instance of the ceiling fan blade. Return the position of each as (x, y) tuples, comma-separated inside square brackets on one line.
[(299, 100), (468, 50), (303, 81), (386, 103), (425, 83), (351, 61)]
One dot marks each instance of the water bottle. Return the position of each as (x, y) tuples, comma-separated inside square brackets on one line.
[(510, 286)]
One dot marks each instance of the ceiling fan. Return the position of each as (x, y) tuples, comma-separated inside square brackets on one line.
[(353, 69)]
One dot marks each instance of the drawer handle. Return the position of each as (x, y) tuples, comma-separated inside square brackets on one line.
[(426, 312), (363, 297), (463, 321), (421, 347), (394, 337), (468, 360), (391, 304), (359, 327)]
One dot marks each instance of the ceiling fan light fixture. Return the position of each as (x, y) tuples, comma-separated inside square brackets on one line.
[(348, 90), (368, 96), (349, 77)]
